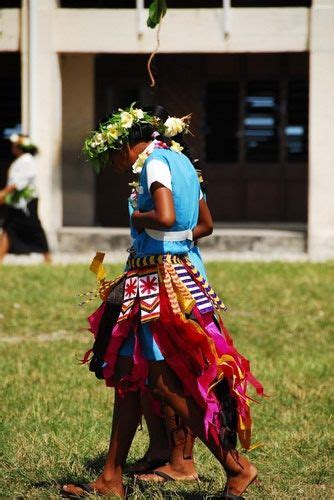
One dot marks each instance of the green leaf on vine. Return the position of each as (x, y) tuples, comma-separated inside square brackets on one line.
[(157, 10)]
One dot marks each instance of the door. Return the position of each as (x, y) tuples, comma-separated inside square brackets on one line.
[(257, 128)]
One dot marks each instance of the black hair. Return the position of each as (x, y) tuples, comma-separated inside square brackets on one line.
[(33, 150), (26, 148), (163, 114)]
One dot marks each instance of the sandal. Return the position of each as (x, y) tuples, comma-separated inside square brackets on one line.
[(166, 478), (86, 491), (231, 496), (151, 464)]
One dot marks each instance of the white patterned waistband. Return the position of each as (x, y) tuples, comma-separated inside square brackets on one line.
[(170, 235)]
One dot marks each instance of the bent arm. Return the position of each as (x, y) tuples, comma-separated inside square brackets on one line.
[(204, 225), (163, 214), (7, 190)]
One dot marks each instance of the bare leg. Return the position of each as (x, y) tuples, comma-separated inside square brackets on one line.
[(181, 464), (159, 448), (125, 422), (4, 245), (47, 258), (240, 472)]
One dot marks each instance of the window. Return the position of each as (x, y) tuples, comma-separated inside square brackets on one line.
[(182, 4), (271, 3), (260, 124), (296, 130), (222, 121), (258, 120), (7, 4)]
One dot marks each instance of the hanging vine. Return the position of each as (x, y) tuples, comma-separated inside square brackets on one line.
[(157, 11)]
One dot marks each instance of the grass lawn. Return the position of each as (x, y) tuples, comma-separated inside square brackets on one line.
[(56, 415)]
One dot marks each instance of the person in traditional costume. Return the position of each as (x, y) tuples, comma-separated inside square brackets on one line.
[(159, 326), (169, 456), (22, 232)]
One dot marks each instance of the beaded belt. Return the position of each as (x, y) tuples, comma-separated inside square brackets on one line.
[(134, 263)]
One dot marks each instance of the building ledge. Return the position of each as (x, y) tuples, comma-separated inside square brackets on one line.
[(236, 238)]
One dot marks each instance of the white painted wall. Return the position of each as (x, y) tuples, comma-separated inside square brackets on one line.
[(9, 30), (42, 112), (184, 30), (321, 134)]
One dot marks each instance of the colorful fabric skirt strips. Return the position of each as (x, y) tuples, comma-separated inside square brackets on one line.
[(183, 313)]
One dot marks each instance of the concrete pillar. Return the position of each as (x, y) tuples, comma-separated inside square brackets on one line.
[(42, 106), (321, 133), (78, 76), (24, 49)]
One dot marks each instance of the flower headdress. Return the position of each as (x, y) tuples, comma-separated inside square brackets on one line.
[(20, 140), (114, 132)]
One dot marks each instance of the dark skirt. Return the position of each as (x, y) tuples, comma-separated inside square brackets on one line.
[(24, 230)]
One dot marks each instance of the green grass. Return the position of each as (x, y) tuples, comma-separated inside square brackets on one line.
[(56, 415)]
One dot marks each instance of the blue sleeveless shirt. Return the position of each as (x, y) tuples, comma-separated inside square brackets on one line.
[(186, 195)]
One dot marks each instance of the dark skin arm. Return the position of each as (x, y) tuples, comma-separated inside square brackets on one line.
[(5, 191), (204, 225), (163, 215)]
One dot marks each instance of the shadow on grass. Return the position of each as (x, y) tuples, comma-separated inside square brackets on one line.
[(135, 489), (95, 465), (180, 490)]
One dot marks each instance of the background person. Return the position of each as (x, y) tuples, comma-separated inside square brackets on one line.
[(22, 232)]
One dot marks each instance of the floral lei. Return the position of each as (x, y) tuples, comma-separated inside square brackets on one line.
[(114, 133)]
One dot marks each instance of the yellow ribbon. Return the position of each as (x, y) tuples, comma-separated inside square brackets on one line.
[(97, 266)]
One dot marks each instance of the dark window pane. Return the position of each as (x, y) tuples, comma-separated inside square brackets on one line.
[(296, 131), (182, 4), (261, 122), (98, 4), (271, 3), (222, 121), (10, 4), (10, 109)]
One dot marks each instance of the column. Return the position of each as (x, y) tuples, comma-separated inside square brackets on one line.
[(321, 133), (78, 76), (42, 107)]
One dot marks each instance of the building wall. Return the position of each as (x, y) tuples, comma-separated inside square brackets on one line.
[(78, 180), (321, 165), (72, 31)]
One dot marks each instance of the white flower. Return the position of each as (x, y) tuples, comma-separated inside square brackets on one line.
[(126, 119), (173, 126), (138, 165), (93, 145), (14, 138), (176, 147), (138, 113), (112, 131), (99, 138)]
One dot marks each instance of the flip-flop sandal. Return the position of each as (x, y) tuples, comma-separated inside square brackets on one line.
[(151, 465), (86, 490), (166, 477), (229, 496)]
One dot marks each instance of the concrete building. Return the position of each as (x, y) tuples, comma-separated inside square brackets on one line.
[(258, 76)]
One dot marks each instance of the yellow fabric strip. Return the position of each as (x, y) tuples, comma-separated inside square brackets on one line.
[(97, 266)]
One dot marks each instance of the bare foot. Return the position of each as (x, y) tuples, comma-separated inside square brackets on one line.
[(238, 483), (100, 486), (186, 473), (146, 464)]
